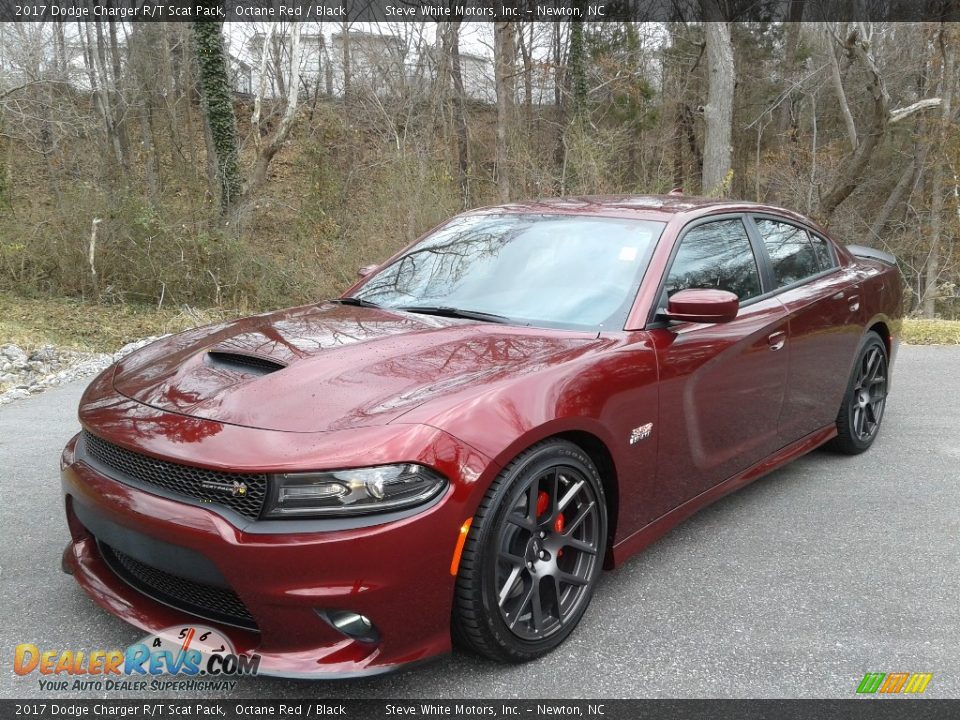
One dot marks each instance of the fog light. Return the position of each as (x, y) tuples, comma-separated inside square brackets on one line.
[(352, 624)]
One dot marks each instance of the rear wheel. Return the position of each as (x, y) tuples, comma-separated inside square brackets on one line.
[(858, 421), (533, 555)]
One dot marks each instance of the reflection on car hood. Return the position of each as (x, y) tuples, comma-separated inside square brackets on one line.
[(330, 367)]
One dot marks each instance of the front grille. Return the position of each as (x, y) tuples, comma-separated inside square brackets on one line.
[(243, 361), (213, 603), (181, 479)]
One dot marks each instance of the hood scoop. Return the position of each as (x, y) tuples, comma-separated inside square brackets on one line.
[(244, 362)]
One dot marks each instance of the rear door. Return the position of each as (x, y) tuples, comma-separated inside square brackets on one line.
[(721, 385), (822, 300)]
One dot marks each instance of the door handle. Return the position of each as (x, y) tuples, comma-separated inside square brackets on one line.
[(777, 340), (854, 302)]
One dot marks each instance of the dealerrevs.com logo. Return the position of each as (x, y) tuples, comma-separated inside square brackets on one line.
[(199, 658), (894, 683)]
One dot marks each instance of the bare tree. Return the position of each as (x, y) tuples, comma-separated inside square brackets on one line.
[(504, 54), (948, 54), (345, 59), (718, 112), (859, 49), (451, 42), (265, 151)]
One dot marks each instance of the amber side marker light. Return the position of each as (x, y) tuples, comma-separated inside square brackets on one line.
[(458, 550)]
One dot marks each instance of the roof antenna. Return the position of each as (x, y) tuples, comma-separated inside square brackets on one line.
[(676, 191)]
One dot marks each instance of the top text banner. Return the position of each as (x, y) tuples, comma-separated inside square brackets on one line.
[(479, 10)]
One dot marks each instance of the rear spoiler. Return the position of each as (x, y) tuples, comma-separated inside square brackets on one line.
[(872, 254)]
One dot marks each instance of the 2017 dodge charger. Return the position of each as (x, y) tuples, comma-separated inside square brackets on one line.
[(456, 447)]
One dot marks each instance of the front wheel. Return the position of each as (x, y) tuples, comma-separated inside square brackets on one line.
[(533, 555), (858, 421)]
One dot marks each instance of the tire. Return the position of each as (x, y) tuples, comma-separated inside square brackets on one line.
[(537, 541), (858, 422)]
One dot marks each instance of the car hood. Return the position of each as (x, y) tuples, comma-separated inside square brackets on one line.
[(331, 367)]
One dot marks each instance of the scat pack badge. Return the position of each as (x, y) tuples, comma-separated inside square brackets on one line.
[(641, 433)]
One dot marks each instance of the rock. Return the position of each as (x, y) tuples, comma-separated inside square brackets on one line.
[(50, 366), (13, 353), (46, 354)]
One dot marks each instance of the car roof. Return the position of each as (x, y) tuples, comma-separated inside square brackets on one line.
[(662, 208)]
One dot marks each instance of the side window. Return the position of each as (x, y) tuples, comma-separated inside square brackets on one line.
[(822, 249), (715, 255), (790, 250)]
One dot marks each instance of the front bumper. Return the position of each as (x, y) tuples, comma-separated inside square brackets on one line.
[(397, 574)]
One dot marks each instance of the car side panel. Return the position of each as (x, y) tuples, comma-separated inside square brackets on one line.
[(825, 327)]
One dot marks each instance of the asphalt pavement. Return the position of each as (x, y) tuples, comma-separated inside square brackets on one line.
[(793, 587)]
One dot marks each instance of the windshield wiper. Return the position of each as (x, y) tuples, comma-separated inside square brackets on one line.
[(454, 313), (359, 302)]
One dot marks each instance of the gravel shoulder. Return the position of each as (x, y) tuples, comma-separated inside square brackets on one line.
[(23, 374)]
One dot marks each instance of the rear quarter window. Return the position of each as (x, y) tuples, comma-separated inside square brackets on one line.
[(791, 252), (823, 251)]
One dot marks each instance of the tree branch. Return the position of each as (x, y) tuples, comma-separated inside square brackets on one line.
[(17, 88), (905, 112)]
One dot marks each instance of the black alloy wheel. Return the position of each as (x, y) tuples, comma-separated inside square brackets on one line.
[(533, 554), (862, 410)]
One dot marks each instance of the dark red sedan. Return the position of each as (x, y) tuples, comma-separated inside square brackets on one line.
[(457, 447)]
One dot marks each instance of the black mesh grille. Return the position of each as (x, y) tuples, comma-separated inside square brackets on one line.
[(245, 362), (206, 601), (241, 492)]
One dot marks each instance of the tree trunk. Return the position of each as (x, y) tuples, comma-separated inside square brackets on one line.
[(345, 58), (266, 151), (218, 108), (119, 111), (560, 105), (578, 69), (679, 174), (792, 43), (852, 170), (718, 112), (841, 95), (503, 57), (459, 109), (932, 270), (276, 59), (101, 99), (60, 45), (558, 74), (526, 55), (908, 179)]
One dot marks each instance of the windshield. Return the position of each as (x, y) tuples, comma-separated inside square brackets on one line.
[(547, 270)]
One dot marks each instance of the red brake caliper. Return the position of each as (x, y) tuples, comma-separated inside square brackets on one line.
[(543, 501), (558, 526)]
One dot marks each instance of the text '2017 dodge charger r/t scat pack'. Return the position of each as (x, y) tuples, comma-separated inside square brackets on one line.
[(454, 449)]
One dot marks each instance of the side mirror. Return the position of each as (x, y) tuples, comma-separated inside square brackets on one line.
[(703, 306), (365, 270)]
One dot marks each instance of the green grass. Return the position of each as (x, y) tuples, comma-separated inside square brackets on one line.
[(32, 322), (917, 331)]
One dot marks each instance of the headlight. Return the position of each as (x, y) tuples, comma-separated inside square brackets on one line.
[(352, 492)]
